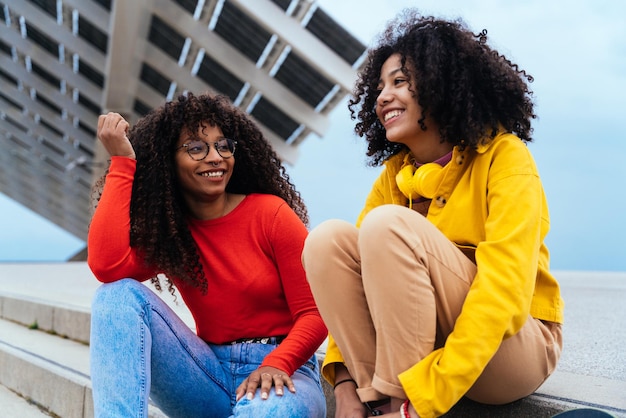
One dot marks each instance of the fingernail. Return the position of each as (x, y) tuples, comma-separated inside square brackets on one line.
[(264, 395), (249, 396)]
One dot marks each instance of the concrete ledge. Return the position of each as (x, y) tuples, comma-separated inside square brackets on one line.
[(45, 368), (585, 391), (563, 391), (532, 407), (535, 406)]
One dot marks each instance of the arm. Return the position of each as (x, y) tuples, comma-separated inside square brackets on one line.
[(287, 236), (110, 256), (112, 130), (501, 293), (348, 403)]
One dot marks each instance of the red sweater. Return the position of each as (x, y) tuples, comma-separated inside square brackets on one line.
[(251, 257)]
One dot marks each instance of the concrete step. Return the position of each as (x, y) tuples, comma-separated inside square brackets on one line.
[(62, 319), (50, 371), (13, 405), (44, 357)]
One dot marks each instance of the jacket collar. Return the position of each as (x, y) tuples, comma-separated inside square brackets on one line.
[(483, 147), (399, 160)]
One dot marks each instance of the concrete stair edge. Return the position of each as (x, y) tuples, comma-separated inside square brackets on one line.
[(64, 320), (54, 388), (41, 381), (599, 392), (59, 320)]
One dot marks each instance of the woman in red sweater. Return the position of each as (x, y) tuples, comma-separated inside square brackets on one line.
[(196, 197)]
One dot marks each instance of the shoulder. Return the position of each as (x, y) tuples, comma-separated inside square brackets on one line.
[(507, 154), (274, 215), (268, 205), (503, 142), (265, 200)]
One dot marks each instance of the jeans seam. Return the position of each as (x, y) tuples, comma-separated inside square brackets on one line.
[(142, 333)]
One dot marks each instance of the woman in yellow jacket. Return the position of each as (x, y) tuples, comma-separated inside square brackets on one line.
[(443, 288)]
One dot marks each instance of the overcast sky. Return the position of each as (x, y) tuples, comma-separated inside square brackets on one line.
[(575, 50)]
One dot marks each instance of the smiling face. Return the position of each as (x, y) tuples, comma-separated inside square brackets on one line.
[(396, 106), (398, 111), (203, 182)]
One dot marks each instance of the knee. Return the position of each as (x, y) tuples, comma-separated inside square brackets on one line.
[(324, 238), (378, 221), (289, 405), (115, 292)]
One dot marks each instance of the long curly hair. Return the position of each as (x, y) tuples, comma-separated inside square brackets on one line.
[(467, 88), (158, 212)]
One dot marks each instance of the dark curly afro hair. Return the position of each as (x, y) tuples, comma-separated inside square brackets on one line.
[(158, 212), (468, 89)]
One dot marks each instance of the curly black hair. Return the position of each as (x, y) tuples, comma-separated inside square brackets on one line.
[(467, 88), (158, 211)]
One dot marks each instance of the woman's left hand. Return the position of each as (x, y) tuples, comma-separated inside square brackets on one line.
[(265, 377)]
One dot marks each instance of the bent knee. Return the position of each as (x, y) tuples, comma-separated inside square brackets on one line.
[(116, 291), (325, 236), (378, 220), (289, 405)]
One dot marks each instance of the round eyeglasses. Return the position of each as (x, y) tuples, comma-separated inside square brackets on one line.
[(198, 149)]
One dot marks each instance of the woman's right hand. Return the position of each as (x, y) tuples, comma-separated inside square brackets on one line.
[(112, 130), (347, 402)]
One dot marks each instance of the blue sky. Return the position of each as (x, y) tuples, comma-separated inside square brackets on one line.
[(576, 51)]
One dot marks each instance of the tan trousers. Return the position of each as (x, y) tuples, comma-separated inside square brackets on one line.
[(398, 283)]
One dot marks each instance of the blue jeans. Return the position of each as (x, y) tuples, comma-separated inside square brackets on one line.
[(141, 349)]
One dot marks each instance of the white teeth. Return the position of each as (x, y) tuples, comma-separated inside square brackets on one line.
[(392, 114), (212, 174)]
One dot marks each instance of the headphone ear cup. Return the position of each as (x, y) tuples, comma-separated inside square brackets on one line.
[(404, 178), (423, 181), (427, 179)]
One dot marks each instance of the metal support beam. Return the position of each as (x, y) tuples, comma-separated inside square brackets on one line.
[(309, 48), (130, 22)]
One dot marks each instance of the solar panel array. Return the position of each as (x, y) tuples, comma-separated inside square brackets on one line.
[(64, 62)]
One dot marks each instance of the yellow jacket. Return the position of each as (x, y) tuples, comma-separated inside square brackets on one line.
[(489, 202)]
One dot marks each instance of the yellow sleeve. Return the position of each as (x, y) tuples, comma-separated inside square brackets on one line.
[(333, 355), (499, 299)]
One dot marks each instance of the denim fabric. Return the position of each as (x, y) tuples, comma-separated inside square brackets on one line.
[(141, 349)]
